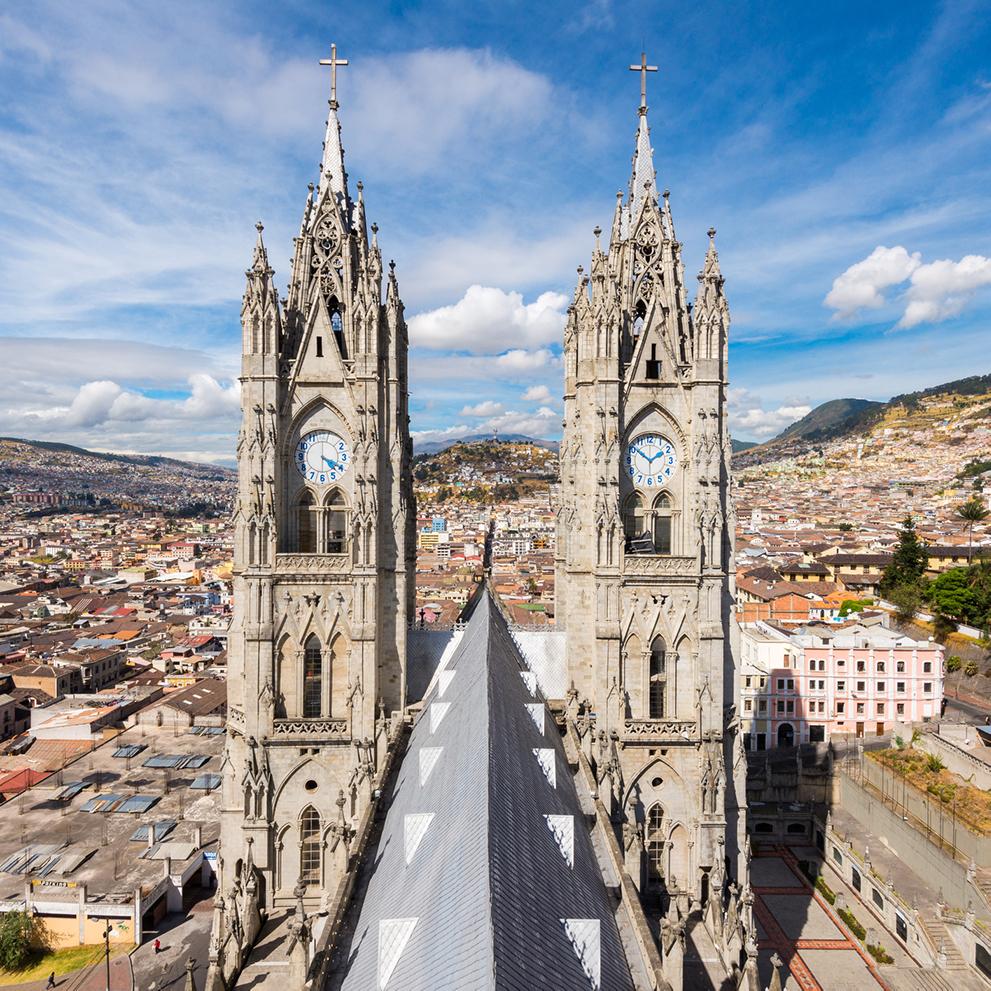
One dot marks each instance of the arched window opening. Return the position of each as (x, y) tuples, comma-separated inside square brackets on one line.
[(339, 678), (633, 518), (658, 679), (306, 524), (662, 524), (655, 844), (309, 846), (336, 523), (319, 347), (337, 324), (312, 678)]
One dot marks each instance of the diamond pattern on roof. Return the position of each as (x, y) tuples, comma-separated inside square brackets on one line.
[(428, 760), (415, 827), (444, 680), (585, 938), (545, 758), (438, 710), (536, 710), (530, 680), (394, 934), (563, 830)]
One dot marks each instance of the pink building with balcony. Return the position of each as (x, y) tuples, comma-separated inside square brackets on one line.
[(807, 684)]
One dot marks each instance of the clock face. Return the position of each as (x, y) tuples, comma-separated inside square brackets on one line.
[(322, 457), (651, 461)]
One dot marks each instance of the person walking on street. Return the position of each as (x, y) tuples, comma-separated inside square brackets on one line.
[(158, 945), (51, 981)]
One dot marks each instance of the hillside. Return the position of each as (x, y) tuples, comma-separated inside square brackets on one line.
[(81, 478), (485, 471), (935, 444), (837, 418), (863, 419), (435, 446)]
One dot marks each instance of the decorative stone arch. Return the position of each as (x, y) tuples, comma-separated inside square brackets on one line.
[(287, 660), (679, 873), (641, 421), (658, 781), (633, 665), (338, 680), (308, 412)]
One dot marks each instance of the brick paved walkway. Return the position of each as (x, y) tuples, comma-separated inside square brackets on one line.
[(788, 947)]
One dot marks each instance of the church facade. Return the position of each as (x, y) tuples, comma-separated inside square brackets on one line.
[(323, 560), (347, 782), (645, 538)]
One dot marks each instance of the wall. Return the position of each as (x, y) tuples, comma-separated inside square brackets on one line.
[(936, 867), (929, 814), (958, 760)]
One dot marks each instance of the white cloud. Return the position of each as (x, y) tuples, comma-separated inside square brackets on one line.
[(541, 424), (861, 285), (538, 394), (485, 316), (416, 108), (936, 290), (941, 289), (749, 419), (521, 360), (486, 408)]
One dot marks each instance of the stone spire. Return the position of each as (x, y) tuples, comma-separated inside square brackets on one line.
[(260, 316), (643, 183), (332, 174)]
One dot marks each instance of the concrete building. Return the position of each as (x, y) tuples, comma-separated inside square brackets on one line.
[(819, 680)]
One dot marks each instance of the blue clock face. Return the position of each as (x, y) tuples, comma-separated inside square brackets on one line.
[(322, 457), (651, 461)]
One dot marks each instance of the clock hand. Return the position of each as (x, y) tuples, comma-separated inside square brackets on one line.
[(333, 464)]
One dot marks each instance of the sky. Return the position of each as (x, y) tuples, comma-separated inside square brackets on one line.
[(842, 151)]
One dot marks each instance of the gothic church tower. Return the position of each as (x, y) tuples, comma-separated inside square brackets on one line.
[(323, 559), (644, 551)]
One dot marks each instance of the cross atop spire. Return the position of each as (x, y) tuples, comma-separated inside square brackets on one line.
[(333, 62), (643, 69)]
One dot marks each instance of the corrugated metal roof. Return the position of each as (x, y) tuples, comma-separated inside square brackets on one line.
[(484, 876)]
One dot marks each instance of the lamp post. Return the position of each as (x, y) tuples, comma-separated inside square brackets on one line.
[(106, 939)]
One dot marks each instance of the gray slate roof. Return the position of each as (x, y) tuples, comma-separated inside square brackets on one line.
[(487, 898)]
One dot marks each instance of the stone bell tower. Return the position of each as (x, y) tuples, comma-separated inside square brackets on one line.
[(323, 559), (645, 538)]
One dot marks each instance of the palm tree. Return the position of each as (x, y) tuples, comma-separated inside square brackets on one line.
[(972, 511)]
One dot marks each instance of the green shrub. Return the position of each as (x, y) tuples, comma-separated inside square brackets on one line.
[(954, 663), (825, 890), (934, 764), (20, 933), (852, 924), (970, 669), (880, 954)]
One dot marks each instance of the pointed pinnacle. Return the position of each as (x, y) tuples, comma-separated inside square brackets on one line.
[(712, 233)]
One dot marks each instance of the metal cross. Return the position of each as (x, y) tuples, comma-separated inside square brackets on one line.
[(333, 62), (643, 69)]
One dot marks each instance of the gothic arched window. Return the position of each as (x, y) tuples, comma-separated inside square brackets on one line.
[(658, 679), (312, 678), (306, 524), (662, 524), (633, 517), (337, 324), (335, 523), (655, 844), (309, 846)]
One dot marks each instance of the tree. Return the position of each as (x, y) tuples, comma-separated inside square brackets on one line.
[(20, 932), (952, 595), (954, 663), (906, 600), (971, 512), (971, 669), (908, 564)]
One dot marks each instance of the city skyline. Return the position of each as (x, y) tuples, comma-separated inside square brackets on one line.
[(839, 156)]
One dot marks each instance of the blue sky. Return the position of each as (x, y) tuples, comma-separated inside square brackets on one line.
[(843, 152)]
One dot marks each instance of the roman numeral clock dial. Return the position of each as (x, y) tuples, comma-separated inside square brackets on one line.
[(322, 457), (651, 460)]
